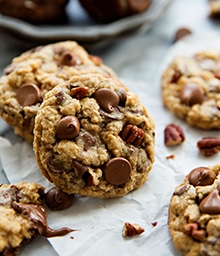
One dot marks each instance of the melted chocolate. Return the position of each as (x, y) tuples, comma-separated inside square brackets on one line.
[(37, 215)]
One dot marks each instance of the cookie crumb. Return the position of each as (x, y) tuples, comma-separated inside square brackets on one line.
[(170, 157), (130, 230), (154, 224)]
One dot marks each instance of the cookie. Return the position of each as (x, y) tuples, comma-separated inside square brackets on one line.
[(22, 216), (194, 213), (191, 89), (35, 11), (107, 11), (214, 8), (35, 72), (93, 137)]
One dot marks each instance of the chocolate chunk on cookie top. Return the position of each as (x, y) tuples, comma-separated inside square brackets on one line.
[(94, 137), (194, 212), (191, 88)]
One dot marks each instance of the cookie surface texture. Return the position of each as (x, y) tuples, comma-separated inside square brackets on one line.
[(191, 89), (94, 137), (194, 213), (35, 72)]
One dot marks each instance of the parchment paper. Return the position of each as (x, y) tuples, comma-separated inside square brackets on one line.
[(99, 222)]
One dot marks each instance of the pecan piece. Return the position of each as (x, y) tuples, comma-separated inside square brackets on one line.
[(132, 230), (132, 135), (209, 146), (173, 135), (192, 229), (96, 59), (79, 92)]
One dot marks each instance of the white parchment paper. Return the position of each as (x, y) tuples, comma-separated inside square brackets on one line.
[(99, 222)]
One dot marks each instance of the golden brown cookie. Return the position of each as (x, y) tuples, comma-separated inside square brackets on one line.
[(93, 137), (35, 72), (191, 89), (194, 212)]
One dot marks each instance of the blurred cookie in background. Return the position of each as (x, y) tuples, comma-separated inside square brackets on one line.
[(35, 11), (107, 11)]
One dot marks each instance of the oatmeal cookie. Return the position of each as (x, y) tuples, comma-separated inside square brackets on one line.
[(35, 72), (22, 216), (191, 89), (93, 137), (194, 213)]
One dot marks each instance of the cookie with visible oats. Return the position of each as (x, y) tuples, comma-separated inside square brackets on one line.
[(93, 137), (35, 72), (191, 89), (194, 213), (22, 216)]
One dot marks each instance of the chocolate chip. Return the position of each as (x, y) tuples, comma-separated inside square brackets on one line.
[(69, 59), (182, 32), (80, 169), (28, 94), (117, 171), (201, 176), (122, 96), (107, 99), (89, 141), (53, 168), (176, 76), (58, 200), (211, 203), (192, 94), (68, 127)]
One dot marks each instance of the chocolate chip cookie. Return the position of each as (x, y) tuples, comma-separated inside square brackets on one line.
[(191, 89), (35, 11), (22, 216), (194, 212), (35, 72), (93, 137)]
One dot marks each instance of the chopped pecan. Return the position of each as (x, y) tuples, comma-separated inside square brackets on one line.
[(209, 146), (132, 135), (192, 229), (79, 92), (96, 59), (173, 135), (132, 230)]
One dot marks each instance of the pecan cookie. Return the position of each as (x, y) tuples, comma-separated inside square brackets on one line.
[(93, 137), (22, 216), (191, 89), (194, 213), (35, 72)]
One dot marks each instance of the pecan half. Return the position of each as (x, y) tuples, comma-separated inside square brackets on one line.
[(132, 230), (209, 146), (132, 135), (79, 92), (173, 135), (192, 229)]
